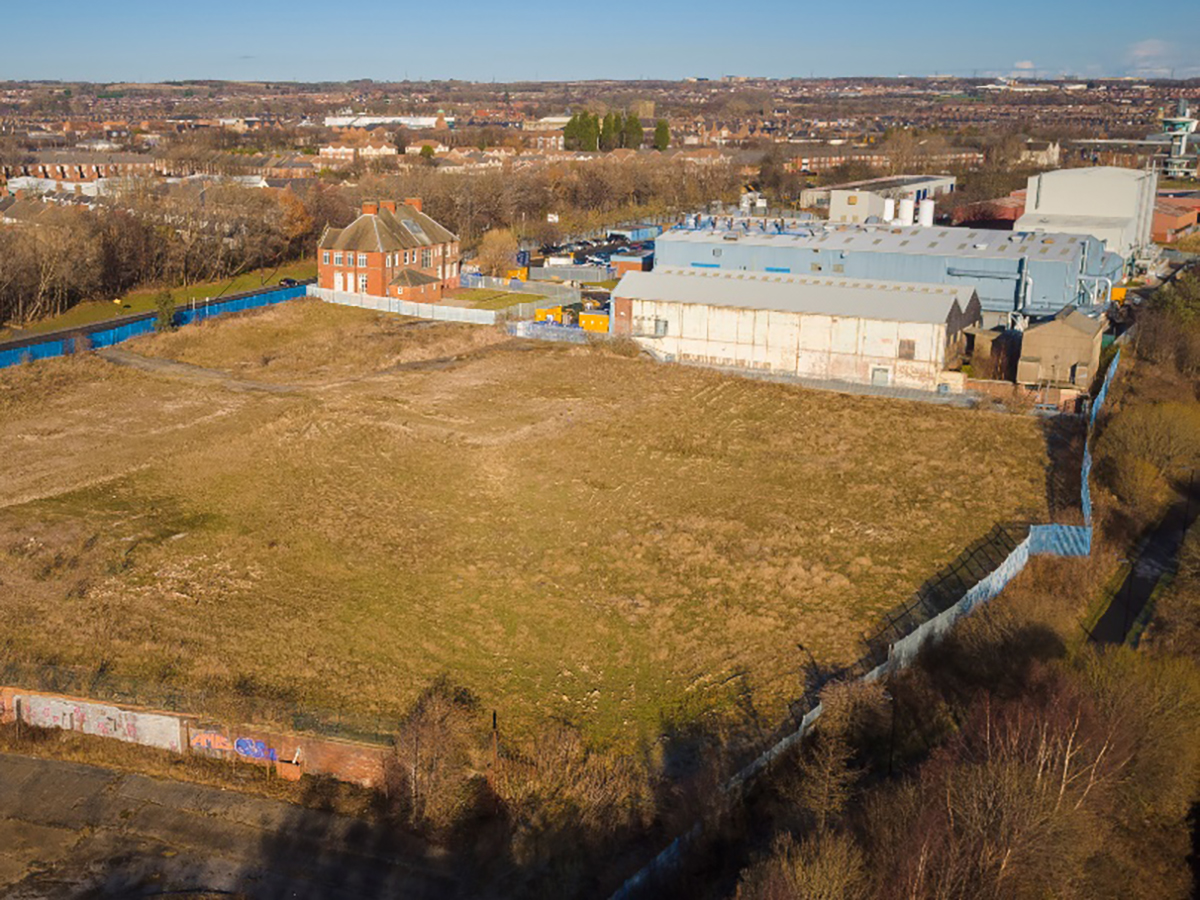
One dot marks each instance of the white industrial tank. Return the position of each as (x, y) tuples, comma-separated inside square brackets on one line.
[(907, 207), (889, 209), (925, 216)]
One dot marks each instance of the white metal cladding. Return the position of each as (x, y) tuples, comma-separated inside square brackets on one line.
[(833, 295), (839, 348)]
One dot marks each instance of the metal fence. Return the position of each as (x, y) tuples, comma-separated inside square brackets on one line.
[(438, 311), (555, 293), (122, 328), (583, 274), (550, 331), (1057, 540)]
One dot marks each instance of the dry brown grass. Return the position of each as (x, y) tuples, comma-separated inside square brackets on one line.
[(568, 533), (304, 342)]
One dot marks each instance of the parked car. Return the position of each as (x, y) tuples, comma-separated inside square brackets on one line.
[(288, 282)]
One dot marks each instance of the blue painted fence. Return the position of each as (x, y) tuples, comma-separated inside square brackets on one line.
[(114, 331)]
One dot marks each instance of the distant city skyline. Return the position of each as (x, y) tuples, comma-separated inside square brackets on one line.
[(482, 41)]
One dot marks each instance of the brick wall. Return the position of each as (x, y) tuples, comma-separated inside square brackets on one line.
[(292, 755)]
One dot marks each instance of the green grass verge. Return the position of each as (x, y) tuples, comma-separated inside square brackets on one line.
[(143, 300), (483, 298)]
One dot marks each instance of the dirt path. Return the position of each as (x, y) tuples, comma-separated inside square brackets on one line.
[(73, 831), (188, 372)]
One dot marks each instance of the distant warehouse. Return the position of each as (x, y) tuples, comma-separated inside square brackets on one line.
[(839, 329)]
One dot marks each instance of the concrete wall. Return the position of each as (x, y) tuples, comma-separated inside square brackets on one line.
[(854, 206), (88, 717), (290, 754), (809, 346), (1053, 351)]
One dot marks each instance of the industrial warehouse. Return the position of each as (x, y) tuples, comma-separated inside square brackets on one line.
[(880, 333), (1016, 275)]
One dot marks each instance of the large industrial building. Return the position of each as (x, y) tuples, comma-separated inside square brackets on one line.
[(1014, 274), (1113, 204), (830, 329)]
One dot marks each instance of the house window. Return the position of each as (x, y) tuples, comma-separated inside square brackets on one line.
[(337, 259), (325, 257), (907, 350), (426, 259), (362, 259), (406, 257), (815, 267), (839, 268), (717, 251), (362, 284), (660, 327)]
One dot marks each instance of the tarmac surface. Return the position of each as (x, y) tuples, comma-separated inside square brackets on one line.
[(1159, 556), (74, 831)]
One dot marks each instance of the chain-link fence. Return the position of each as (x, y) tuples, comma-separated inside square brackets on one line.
[(553, 293)]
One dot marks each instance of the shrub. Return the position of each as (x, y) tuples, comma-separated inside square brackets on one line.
[(164, 305)]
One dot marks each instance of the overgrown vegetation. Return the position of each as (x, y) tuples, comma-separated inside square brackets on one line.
[(1017, 760), (498, 511)]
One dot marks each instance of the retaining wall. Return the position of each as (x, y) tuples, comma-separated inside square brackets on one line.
[(292, 755)]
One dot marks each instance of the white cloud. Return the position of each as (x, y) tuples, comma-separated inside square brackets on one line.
[(1156, 58), (1149, 50)]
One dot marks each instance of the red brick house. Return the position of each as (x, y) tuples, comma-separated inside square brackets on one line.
[(390, 250)]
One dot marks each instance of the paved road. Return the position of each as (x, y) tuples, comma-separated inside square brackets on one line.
[(1156, 559), (69, 831)]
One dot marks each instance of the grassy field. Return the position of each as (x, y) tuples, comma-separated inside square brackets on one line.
[(485, 298), (566, 531), (143, 300)]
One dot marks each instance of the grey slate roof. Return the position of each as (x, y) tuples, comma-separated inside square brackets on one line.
[(406, 229), (851, 297), (413, 278)]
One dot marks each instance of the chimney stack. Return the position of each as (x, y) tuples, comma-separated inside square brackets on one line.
[(414, 202), (389, 205), (370, 207)]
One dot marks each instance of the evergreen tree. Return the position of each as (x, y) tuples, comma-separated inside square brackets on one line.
[(571, 133), (608, 134), (589, 132), (634, 134), (662, 135), (619, 130)]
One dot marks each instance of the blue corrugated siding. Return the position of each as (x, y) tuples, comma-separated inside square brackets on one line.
[(1055, 281), (59, 346)]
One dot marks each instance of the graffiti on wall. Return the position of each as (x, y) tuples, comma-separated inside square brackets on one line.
[(149, 729), (254, 749), (211, 740), (216, 742)]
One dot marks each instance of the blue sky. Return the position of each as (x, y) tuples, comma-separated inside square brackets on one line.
[(311, 40)]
